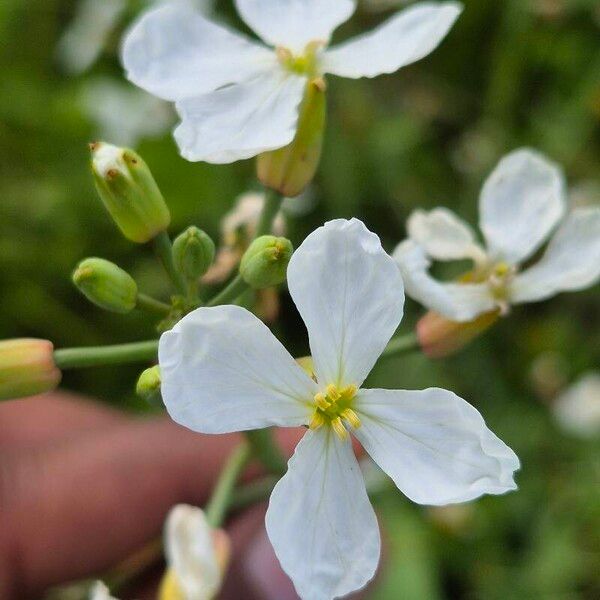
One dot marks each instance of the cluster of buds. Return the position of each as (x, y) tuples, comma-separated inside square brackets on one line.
[(134, 201)]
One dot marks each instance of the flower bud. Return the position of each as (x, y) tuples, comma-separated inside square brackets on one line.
[(197, 556), (289, 170), (106, 285), (129, 192), (148, 385), (439, 337), (193, 253), (265, 262), (27, 368)]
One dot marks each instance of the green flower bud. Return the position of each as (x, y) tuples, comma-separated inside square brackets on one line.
[(289, 170), (129, 192), (148, 385), (27, 367), (106, 285), (265, 262), (193, 253)]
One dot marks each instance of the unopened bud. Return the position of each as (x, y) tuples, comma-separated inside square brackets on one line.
[(439, 337), (197, 556), (265, 262), (129, 192), (289, 170), (193, 253), (148, 385), (27, 368), (106, 285)]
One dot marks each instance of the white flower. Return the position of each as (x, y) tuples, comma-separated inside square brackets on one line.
[(100, 592), (95, 21), (224, 371), (196, 555), (521, 204), (238, 98), (578, 408)]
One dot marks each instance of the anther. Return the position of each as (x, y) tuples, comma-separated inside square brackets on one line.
[(332, 392), (318, 420), (339, 428), (351, 417)]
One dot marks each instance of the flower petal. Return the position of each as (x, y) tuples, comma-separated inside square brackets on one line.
[(350, 294), (443, 235), (242, 120), (407, 37), (320, 521), (293, 24), (222, 370), (521, 203), (434, 445), (173, 52), (571, 261), (455, 301), (191, 553)]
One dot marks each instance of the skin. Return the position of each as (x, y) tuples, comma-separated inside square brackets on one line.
[(83, 487)]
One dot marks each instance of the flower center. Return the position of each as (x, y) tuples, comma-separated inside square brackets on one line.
[(301, 64), (499, 279), (334, 408)]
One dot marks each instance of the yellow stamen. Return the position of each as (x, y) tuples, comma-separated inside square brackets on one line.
[(322, 402), (351, 417), (318, 420), (332, 392), (334, 408), (339, 428)]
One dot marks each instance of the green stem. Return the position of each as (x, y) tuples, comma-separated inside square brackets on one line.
[(232, 292), (164, 251), (266, 450), (401, 345), (253, 492), (216, 509), (151, 305), (269, 212), (98, 356)]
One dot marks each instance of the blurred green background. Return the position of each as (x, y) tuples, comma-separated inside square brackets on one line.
[(511, 73)]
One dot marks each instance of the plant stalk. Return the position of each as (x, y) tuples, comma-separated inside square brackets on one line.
[(99, 356), (216, 509), (164, 251)]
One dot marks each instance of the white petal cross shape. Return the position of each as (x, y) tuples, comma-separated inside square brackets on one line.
[(521, 204), (237, 97), (223, 370)]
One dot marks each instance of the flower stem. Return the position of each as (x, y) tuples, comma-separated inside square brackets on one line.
[(266, 450), (269, 212), (151, 305), (233, 291), (402, 344), (164, 251), (253, 492), (98, 356), (216, 509)]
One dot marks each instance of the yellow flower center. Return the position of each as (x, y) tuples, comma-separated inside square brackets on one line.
[(499, 279), (333, 408), (302, 64)]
